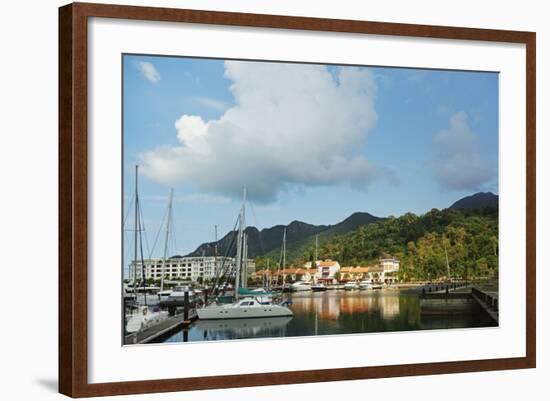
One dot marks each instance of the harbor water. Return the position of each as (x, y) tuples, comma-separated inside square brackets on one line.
[(340, 312)]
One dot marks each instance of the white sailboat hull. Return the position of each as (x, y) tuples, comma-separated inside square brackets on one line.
[(233, 311)]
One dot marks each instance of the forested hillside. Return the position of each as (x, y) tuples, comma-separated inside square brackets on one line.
[(470, 237)]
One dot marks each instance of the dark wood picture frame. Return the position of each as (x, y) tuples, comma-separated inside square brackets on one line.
[(73, 195)]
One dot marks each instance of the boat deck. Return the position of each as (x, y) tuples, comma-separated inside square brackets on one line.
[(151, 333)]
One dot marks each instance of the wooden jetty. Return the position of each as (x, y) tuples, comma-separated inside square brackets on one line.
[(457, 299), (150, 334)]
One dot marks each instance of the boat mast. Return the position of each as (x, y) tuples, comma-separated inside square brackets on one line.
[(284, 256), (142, 260), (316, 249), (244, 269), (216, 250), (168, 224), (447, 260), (268, 275), (137, 235), (239, 256), (135, 230)]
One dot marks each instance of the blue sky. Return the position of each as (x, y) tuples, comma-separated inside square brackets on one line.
[(311, 142)]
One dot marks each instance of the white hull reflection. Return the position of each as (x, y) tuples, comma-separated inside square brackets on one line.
[(249, 326), (243, 309)]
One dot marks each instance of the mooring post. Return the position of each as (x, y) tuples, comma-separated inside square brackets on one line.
[(186, 305)]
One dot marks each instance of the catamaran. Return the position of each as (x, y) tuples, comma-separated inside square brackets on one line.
[(248, 304)]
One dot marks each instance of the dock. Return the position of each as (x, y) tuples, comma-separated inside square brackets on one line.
[(150, 334), (487, 300)]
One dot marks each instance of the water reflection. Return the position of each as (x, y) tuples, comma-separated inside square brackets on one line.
[(333, 312)]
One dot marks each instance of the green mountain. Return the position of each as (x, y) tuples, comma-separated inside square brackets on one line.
[(467, 231), (477, 201), (299, 236), (422, 243)]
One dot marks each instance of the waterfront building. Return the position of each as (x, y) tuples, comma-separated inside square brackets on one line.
[(351, 273), (185, 268), (385, 272), (326, 271), (290, 274), (389, 265)]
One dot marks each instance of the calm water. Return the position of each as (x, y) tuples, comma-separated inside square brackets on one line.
[(338, 312)]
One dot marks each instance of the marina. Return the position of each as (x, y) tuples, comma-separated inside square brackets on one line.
[(345, 312), (225, 297)]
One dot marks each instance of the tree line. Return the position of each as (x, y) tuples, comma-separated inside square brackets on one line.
[(467, 238)]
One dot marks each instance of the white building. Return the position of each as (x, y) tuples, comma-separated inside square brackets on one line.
[(389, 265), (188, 268), (326, 269)]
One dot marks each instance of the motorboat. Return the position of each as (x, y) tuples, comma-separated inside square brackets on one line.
[(244, 308), (319, 287), (143, 318), (351, 285), (365, 285), (164, 294), (176, 299), (300, 286)]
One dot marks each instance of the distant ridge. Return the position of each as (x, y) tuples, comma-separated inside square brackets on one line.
[(298, 236), (479, 200), (301, 236)]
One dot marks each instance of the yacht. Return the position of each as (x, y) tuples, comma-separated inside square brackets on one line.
[(300, 286), (164, 294), (319, 287), (176, 299), (247, 303), (143, 318), (351, 285), (365, 285), (248, 307)]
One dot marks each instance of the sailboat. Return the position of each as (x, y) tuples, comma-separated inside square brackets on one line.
[(248, 304), (142, 316)]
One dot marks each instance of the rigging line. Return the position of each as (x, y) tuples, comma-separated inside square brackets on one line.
[(128, 253), (142, 219), (144, 281), (280, 265), (221, 272), (158, 234), (256, 223), (130, 204), (174, 239)]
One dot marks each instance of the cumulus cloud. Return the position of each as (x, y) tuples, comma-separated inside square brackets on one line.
[(149, 71), (458, 162), (291, 126)]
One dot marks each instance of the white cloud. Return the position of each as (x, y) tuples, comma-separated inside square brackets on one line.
[(212, 103), (458, 162), (291, 126), (149, 71)]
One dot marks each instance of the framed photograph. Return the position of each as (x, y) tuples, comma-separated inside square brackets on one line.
[(250, 200)]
